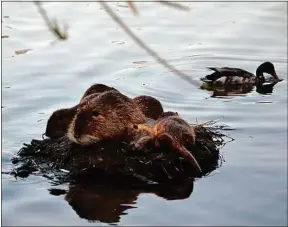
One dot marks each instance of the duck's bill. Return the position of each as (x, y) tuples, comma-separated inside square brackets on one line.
[(280, 79)]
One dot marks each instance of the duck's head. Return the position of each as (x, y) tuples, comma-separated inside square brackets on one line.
[(267, 67)]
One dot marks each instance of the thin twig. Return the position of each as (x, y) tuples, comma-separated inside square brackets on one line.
[(132, 6), (129, 32), (175, 5)]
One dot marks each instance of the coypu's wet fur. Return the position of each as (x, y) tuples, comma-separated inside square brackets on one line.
[(60, 120), (105, 116), (97, 88)]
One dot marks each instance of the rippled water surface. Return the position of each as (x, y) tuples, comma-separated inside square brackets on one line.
[(251, 186)]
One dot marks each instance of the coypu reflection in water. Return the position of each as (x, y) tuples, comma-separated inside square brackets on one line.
[(59, 121), (105, 116), (57, 124), (108, 198), (170, 130)]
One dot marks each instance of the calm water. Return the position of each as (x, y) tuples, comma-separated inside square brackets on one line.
[(249, 189)]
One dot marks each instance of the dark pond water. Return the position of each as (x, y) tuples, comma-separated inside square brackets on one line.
[(251, 186)]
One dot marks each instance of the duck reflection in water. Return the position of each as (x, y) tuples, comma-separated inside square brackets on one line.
[(109, 198), (230, 90)]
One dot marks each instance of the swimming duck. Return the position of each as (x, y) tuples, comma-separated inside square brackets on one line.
[(226, 75)]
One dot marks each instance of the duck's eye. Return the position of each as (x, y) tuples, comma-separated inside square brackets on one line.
[(95, 113), (135, 126)]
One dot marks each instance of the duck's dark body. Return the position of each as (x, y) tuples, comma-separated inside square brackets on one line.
[(227, 75)]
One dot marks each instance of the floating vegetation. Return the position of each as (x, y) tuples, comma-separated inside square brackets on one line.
[(140, 64), (118, 42), (23, 51), (65, 160)]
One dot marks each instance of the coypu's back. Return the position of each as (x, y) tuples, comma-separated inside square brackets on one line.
[(97, 88)]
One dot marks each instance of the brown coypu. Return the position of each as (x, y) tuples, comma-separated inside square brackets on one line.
[(151, 107), (105, 116), (170, 130), (57, 124)]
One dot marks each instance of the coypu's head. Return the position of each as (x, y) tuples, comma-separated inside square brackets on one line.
[(105, 116), (178, 135), (176, 126), (97, 88), (142, 136), (58, 122), (170, 132), (151, 107)]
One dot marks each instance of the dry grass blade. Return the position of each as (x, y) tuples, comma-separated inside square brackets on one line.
[(145, 47), (53, 26), (133, 8), (206, 123), (174, 5)]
